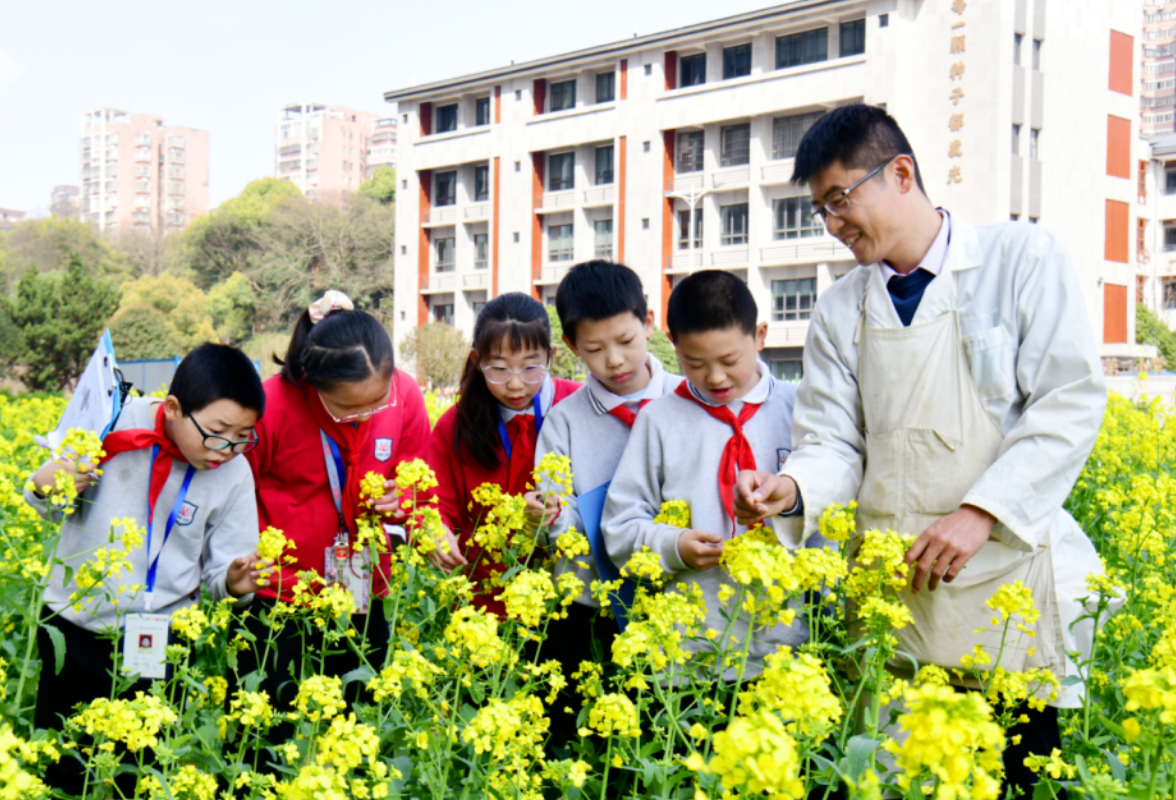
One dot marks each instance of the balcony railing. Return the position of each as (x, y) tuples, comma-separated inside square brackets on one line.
[(442, 215), (686, 183), (477, 212), (477, 280), (734, 176), (804, 252), (730, 257), (776, 173), (599, 196), (551, 275), (684, 262), (444, 282), (557, 201)]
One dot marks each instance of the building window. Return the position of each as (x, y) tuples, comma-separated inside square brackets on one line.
[(1170, 181), (684, 226), (734, 218), (1037, 54), (447, 119), (645, 223), (690, 151), (443, 313), (807, 47), (606, 87), (482, 111), (563, 95), (444, 252), (477, 307), (1014, 217), (735, 145), (793, 300), (1169, 293), (793, 218), (853, 38), (790, 370), (1142, 181), (1141, 236), (604, 165), (559, 243), (1034, 133), (561, 170), (788, 131), (481, 184), (604, 238), (1016, 139), (736, 61), (481, 250), (883, 20), (446, 188), (1018, 38), (693, 69)]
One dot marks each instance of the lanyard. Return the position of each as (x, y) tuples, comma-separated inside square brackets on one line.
[(336, 474), (171, 521), (537, 407)]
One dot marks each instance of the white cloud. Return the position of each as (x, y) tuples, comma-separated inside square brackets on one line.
[(10, 71)]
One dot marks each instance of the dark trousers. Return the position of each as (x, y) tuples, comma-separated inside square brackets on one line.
[(1039, 736), (85, 676), (584, 636), (287, 652)]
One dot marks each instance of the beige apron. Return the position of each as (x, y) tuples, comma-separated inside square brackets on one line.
[(928, 440)]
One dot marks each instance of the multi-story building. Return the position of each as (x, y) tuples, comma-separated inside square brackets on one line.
[(383, 150), (139, 174), (510, 176), (66, 201), (1157, 101), (9, 218), (323, 150)]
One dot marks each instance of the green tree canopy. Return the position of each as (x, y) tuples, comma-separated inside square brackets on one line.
[(663, 350), (48, 244), (381, 186), (142, 332), (60, 316), (1150, 329), (438, 353)]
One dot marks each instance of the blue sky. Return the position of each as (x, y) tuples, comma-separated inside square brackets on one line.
[(226, 67)]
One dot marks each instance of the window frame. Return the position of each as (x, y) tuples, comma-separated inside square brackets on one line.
[(597, 248), (699, 158), (609, 174), (781, 212), (481, 250), (856, 28), (481, 183), (818, 37), (684, 225), (568, 254), (729, 236), (451, 173), (439, 266), (555, 184), (781, 295), (730, 150), (482, 111), (611, 75), (445, 109), (565, 93), (778, 374), (810, 117), (695, 65), (1016, 139), (731, 58)]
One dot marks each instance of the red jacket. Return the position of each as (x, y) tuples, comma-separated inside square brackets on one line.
[(458, 476), (293, 491)]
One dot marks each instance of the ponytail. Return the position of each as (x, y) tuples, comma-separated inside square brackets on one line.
[(512, 321), (346, 346)]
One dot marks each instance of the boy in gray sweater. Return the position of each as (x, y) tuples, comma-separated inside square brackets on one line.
[(170, 466), (689, 446), (606, 322)]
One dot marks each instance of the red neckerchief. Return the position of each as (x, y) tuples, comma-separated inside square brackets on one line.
[(140, 439), (521, 430), (737, 453), (626, 416)]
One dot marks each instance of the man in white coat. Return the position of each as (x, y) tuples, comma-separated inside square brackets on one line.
[(952, 387)]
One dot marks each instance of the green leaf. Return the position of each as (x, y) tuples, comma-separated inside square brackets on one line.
[(861, 748), (362, 673), (1045, 790), (58, 639)]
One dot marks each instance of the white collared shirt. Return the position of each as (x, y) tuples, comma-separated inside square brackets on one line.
[(935, 255), (758, 394), (606, 400)]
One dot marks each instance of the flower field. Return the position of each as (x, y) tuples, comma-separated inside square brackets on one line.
[(461, 705)]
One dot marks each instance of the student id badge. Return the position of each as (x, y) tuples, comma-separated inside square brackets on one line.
[(350, 569), (144, 645)]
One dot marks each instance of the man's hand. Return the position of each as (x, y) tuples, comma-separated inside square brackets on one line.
[(761, 494), (949, 544), (537, 512), (389, 504), (247, 574), (447, 562), (699, 549)]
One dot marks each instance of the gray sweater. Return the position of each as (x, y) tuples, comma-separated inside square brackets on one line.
[(674, 454), (582, 429), (219, 523)]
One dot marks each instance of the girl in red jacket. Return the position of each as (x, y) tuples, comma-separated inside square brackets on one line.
[(489, 435), (338, 410)]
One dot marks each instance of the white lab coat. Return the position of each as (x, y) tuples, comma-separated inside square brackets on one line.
[(1033, 358)]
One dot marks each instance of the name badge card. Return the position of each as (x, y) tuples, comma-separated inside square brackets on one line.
[(144, 643)]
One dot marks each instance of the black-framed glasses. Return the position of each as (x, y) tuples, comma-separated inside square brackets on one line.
[(533, 374), (220, 444), (840, 202)]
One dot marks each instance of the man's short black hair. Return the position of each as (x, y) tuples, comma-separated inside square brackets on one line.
[(598, 290), (857, 136), (214, 372), (708, 301)]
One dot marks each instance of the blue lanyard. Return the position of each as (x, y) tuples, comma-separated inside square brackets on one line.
[(537, 407), (171, 521), (336, 474)]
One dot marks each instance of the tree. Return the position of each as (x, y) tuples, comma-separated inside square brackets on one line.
[(438, 353), (142, 332), (1150, 329), (149, 252), (564, 364), (185, 307), (48, 244), (663, 350), (233, 306), (381, 186), (60, 317)]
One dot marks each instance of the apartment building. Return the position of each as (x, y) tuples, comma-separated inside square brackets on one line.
[(383, 145), (323, 150), (10, 218), (66, 201), (141, 175), (672, 152), (1157, 101)]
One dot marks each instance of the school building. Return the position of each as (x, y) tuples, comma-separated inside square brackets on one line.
[(672, 152)]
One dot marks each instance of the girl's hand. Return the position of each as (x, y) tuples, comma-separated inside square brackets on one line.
[(390, 503), (699, 549), (247, 574), (540, 514), (447, 562), (45, 479)]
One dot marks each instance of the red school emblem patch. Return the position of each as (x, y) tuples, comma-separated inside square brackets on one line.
[(187, 513), (383, 449), (782, 458)]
